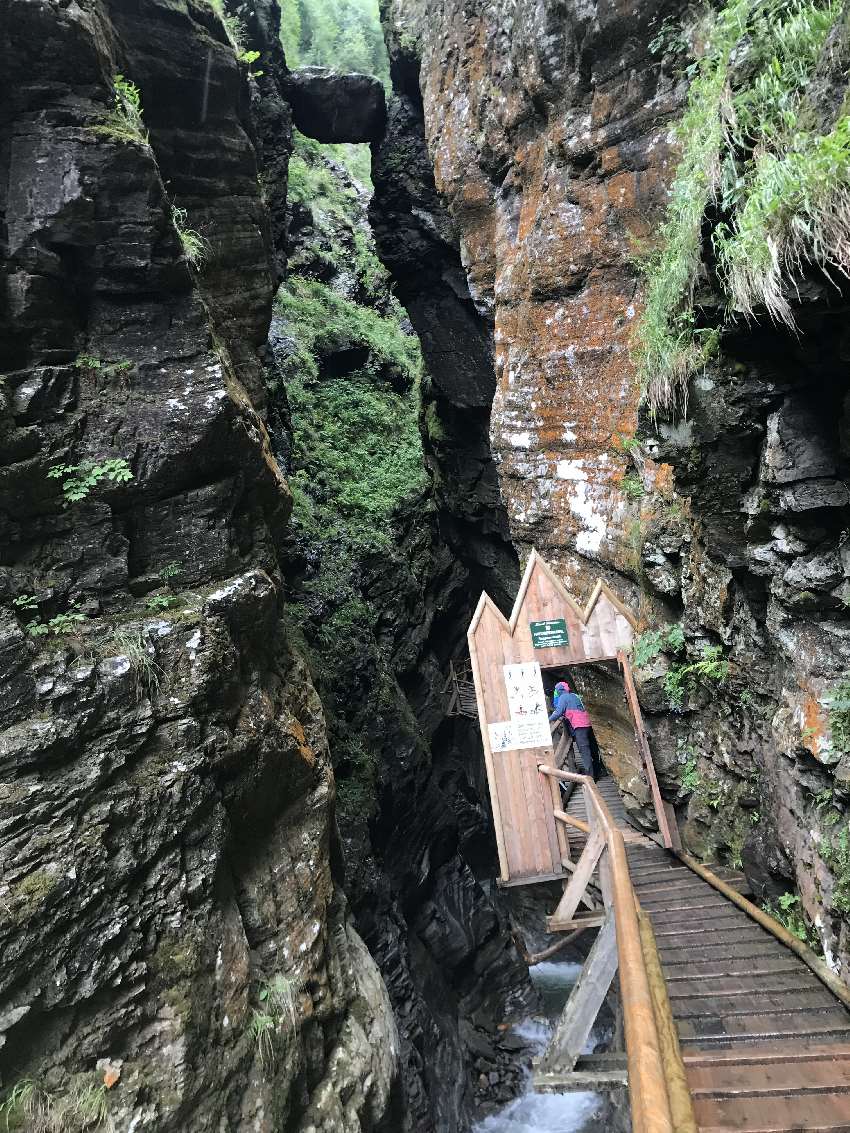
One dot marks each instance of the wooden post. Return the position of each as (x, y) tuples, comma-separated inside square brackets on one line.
[(681, 1102), (646, 754), (586, 998), (577, 884), (563, 838)]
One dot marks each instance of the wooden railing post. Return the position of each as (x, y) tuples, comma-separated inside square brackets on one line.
[(648, 1088), (594, 823), (661, 812)]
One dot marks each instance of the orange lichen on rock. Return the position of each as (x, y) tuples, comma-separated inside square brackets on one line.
[(548, 206), (814, 724)]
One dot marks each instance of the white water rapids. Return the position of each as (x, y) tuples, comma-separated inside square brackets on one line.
[(545, 1113)]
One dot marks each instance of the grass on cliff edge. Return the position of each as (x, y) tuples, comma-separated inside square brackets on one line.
[(777, 189)]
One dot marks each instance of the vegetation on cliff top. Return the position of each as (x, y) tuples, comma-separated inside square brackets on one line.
[(343, 34), (757, 166)]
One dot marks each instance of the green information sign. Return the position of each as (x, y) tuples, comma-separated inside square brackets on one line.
[(549, 635)]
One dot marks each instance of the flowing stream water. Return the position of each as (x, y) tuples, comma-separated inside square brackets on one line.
[(545, 1113)]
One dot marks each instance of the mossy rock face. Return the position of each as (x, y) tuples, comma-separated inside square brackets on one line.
[(781, 170), (35, 887)]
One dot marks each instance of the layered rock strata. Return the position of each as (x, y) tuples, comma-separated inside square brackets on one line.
[(550, 135), (170, 926)]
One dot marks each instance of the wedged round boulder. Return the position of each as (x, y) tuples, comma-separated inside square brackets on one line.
[(334, 107)]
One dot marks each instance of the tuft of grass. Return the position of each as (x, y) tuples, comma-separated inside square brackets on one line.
[(838, 714), (24, 1106), (124, 122), (667, 345), (194, 245), (132, 644), (280, 995), (780, 191), (278, 998), (237, 32), (262, 1029), (30, 1108), (797, 211)]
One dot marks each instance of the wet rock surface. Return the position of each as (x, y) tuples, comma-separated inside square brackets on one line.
[(334, 107), (168, 913), (549, 133)]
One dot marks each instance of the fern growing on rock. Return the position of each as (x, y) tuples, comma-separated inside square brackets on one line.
[(124, 122)]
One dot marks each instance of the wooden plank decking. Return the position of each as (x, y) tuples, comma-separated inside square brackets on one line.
[(766, 1045)]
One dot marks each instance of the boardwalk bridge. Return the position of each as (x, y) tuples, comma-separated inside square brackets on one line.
[(729, 1022)]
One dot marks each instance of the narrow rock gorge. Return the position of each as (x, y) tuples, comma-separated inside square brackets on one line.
[(268, 428), (186, 924), (554, 135)]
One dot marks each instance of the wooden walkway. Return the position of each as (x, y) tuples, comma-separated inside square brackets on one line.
[(766, 1045)]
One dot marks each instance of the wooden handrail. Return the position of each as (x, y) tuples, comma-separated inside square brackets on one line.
[(645, 754), (648, 1088)]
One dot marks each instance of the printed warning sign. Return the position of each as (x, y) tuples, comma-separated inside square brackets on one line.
[(527, 705), (549, 635)]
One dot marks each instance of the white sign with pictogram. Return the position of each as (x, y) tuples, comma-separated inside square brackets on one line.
[(527, 705)]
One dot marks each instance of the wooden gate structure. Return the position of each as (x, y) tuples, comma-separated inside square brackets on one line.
[(547, 629), (731, 1024)]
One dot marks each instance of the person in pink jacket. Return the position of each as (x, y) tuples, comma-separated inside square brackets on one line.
[(570, 707)]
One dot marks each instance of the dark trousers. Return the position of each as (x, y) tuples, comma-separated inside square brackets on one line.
[(582, 738)]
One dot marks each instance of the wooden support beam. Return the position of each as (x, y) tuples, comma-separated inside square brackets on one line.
[(577, 923), (563, 1083), (661, 812), (606, 882), (582, 874), (568, 820), (586, 998), (589, 900), (554, 790)]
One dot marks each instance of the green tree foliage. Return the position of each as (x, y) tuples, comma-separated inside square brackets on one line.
[(343, 34), (290, 31), (350, 367)]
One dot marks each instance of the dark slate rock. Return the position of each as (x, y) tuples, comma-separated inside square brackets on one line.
[(334, 107)]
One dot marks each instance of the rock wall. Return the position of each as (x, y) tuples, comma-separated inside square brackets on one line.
[(175, 947), (167, 761), (383, 600), (549, 129), (547, 133)]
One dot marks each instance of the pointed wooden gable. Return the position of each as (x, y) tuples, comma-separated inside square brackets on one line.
[(546, 628)]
